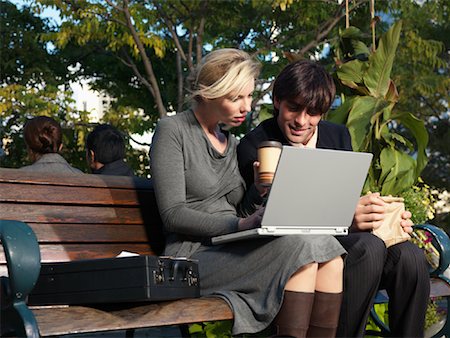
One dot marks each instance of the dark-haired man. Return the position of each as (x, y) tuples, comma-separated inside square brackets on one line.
[(302, 93), (105, 152)]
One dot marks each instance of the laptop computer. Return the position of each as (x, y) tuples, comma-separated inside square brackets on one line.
[(314, 191)]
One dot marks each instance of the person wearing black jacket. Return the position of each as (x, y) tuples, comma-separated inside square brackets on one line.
[(105, 152), (302, 93)]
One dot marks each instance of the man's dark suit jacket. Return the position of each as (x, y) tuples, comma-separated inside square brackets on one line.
[(331, 136)]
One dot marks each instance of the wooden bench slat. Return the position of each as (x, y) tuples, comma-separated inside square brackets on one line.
[(60, 252), (86, 180), (73, 232), (67, 195), (79, 319), (70, 214)]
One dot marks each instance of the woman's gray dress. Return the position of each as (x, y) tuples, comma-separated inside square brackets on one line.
[(199, 193)]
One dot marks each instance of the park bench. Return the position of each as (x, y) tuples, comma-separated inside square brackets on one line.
[(78, 217)]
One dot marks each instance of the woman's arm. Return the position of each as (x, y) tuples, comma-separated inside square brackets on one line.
[(167, 166)]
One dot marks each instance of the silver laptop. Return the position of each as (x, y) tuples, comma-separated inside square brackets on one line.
[(314, 191)]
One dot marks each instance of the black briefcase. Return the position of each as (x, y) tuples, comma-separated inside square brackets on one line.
[(112, 280)]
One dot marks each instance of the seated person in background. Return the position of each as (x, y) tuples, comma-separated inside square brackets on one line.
[(43, 137), (105, 152), (293, 281), (302, 93)]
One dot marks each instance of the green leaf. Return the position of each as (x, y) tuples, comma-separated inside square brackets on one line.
[(351, 33), (340, 114), (195, 328), (402, 140), (397, 171), (418, 130), (386, 135), (351, 71), (360, 47), (377, 77), (392, 93), (359, 120), (362, 118)]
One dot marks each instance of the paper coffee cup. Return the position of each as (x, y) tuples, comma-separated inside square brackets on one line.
[(268, 155)]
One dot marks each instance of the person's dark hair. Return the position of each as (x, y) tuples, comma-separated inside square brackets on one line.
[(107, 143), (308, 84), (42, 135)]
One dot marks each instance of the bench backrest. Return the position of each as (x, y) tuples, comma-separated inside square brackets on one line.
[(82, 216)]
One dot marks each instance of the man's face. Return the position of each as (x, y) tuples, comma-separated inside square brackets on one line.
[(295, 123)]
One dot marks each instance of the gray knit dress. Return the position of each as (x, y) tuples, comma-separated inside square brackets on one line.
[(200, 194)]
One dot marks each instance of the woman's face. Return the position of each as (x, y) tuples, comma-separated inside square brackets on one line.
[(232, 110), (295, 123)]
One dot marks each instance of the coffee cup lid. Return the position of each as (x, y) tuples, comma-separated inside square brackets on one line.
[(270, 144)]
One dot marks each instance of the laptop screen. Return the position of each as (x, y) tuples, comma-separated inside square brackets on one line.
[(315, 187)]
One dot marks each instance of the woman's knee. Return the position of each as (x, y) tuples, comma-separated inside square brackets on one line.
[(304, 279), (330, 275), (334, 266)]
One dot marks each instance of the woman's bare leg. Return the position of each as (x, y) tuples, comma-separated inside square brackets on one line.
[(304, 279), (330, 276)]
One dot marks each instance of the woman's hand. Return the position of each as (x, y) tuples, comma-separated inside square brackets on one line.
[(252, 221), (369, 213)]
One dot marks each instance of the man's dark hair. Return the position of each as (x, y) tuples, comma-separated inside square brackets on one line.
[(107, 143), (308, 84)]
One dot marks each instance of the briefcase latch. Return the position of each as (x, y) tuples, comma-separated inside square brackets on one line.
[(192, 279), (158, 275)]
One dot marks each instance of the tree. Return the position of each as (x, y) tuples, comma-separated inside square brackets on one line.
[(135, 49), (422, 74), (31, 83), (141, 34)]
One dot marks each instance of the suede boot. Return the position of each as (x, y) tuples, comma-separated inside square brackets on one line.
[(325, 315), (293, 318)]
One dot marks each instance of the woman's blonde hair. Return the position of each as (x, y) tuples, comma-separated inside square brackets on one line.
[(221, 73)]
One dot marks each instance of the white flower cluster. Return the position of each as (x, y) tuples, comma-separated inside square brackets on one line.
[(442, 201)]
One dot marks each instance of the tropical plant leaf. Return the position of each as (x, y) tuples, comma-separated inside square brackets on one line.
[(397, 171), (392, 93), (360, 48), (351, 32), (418, 130), (358, 121), (386, 135), (351, 72), (377, 77), (340, 114), (371, 183), (403, 140)]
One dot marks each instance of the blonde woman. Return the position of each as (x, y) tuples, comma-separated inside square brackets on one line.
[(293, 281)]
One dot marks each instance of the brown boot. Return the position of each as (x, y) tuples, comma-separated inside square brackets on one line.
[(325, 315), (293, 318)]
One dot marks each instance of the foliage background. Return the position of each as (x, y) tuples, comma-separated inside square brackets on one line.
[(140, 52)]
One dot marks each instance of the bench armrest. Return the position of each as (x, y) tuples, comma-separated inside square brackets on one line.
[(23, 261), (439, 247)]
